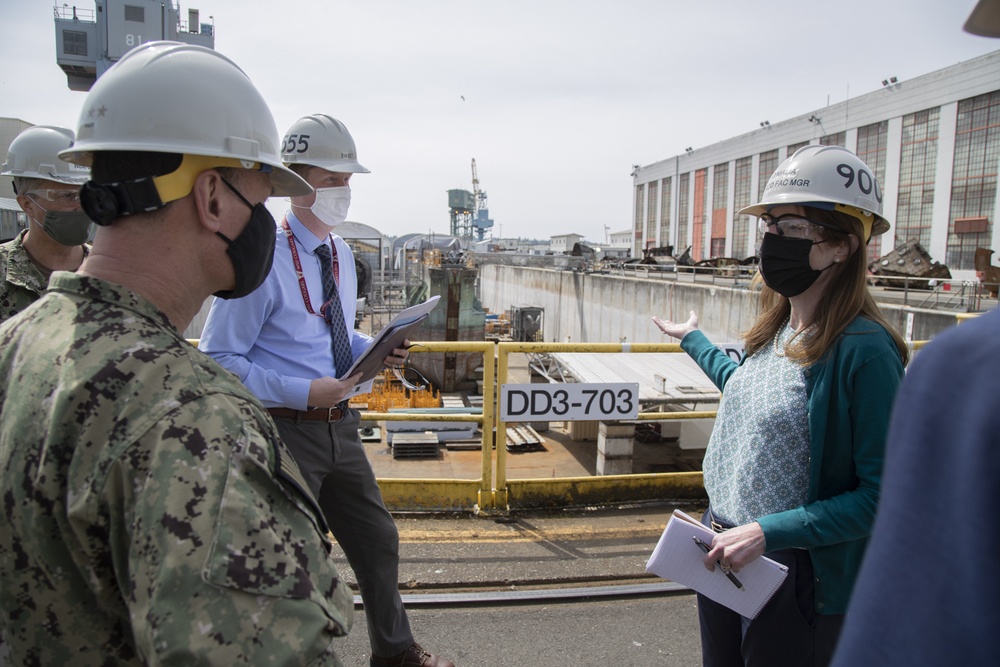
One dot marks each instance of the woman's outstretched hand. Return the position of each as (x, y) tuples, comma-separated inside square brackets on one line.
[(677, 329)]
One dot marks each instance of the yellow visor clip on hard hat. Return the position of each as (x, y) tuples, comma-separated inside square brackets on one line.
[(179, 183), (105, 202)]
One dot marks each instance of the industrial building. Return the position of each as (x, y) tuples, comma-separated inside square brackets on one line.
[(933, 143), (89, 41)]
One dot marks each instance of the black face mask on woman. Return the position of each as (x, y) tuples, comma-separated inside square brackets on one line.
[(252, 252), (784, 264)]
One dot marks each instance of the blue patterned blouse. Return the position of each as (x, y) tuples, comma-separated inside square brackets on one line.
[(757, 460)]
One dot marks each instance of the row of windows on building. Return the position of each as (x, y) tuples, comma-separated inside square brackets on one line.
[(973, 190), (75, 41)]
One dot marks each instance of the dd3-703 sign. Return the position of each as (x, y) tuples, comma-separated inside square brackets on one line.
[(569, 402)]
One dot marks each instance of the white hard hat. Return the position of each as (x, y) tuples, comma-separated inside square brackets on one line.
[(321, 141), (169, 97), (828, 177), (35, 154)]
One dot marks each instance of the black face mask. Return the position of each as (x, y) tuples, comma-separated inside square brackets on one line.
[(252, 252), (784, 264)]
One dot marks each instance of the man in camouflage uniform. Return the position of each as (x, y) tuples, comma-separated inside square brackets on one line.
[(48, 191), (151, 515)]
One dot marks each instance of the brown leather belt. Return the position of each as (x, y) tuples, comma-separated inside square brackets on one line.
[(319, 414)]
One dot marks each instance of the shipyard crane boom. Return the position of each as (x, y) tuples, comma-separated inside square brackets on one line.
[(475, 187)]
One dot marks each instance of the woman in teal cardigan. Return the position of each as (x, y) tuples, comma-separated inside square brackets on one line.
[(794, 462)]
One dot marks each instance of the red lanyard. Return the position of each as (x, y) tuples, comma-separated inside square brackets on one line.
[(298, 266)]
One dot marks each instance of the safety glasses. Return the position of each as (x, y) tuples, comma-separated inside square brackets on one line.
[(791, 225), (400, 373), (58, 195)]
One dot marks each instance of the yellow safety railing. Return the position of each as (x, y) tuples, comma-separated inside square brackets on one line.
[(486, 496), (512, 494), (481, 494), (604, 489), (447, 494)]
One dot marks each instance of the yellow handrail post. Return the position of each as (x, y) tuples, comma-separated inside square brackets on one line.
[(487, 497), (502, 502)]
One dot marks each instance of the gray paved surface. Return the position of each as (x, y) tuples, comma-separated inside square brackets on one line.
[(531, 553), (643, 632)]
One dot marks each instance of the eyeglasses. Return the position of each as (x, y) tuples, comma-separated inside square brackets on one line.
[(791, 225), (61, 196), (399, 372)]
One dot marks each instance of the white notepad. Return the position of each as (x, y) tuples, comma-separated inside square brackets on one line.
[(678, 557)]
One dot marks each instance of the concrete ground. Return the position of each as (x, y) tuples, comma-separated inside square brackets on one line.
[(564, 563), (642, 632)]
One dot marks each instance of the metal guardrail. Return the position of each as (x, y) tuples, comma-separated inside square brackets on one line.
[(597, 490), (464, 495), (735, 275), (507, 495), (67, 13), (929, 293), (486, 496), (482, 495)]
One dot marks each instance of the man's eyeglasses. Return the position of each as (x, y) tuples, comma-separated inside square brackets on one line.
[(61, 196), (400, 373), (791, 225)]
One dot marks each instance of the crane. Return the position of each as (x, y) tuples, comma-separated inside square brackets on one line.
[(88, 43), (481, 220), (475, 184)]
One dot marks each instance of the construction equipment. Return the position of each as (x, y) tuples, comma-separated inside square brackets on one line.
[(388, 393), (908, 265), (462, 204), (988, 274), (476, 194), (469, 211), (527, 323), (481, 220)]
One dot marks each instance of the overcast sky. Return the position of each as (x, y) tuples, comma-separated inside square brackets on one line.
[(561, 98)]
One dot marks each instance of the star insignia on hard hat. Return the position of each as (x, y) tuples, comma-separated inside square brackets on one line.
[(90, 112), (102, 111)]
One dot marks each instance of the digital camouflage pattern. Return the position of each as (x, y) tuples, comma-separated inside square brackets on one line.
[(150, 514), (22, 283)]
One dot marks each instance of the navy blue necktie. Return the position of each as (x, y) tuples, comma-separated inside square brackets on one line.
[(333, 313)]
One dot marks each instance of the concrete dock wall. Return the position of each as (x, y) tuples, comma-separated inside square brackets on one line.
[(602, 308)]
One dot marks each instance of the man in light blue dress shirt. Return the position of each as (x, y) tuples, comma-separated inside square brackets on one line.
[(280, 341)]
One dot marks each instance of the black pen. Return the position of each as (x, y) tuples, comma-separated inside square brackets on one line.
[(732, 577)]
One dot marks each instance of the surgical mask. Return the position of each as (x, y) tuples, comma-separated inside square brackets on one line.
[(252, 252), (784, 264), (68, 228), (331, 205)]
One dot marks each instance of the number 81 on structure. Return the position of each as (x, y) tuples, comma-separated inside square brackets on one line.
[(569, 402)]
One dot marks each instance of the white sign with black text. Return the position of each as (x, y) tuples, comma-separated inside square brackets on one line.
[(569, 402)]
